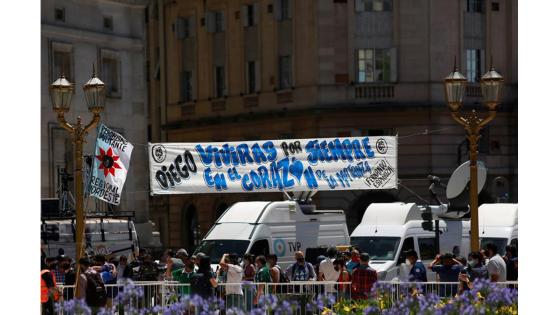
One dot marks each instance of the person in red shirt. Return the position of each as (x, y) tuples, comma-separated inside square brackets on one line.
[(363, 278)]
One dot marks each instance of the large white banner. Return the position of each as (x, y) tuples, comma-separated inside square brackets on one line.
[(273, 166), (110, 165)]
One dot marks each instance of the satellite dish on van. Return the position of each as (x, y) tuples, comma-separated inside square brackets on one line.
[(461, 177)]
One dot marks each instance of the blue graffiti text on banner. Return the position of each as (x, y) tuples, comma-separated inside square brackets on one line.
[(279, 175), (233, 156), (336, 150), (351, 172), (340, 163)]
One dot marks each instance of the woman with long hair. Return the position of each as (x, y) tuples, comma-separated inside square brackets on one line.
[(203, 281)]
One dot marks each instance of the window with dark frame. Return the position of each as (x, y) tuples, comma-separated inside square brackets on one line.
[(427, 247), (374, 65), (108, 23), (284, 72), (475, 6), (495, 6), (220, 83), (250, 14), (260, 247), (474, 65), (407, 245), (60, 14), (284, 10), (186, 86), (187, 27), (251, 77), (62, 64), (219, 22), (110, 75)]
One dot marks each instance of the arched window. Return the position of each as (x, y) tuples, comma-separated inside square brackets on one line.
[(189, 228)]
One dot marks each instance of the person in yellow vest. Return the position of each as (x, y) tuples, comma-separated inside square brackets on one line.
[(49, 292)]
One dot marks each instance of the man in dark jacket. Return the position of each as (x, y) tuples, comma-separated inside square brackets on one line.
[(417, 270)]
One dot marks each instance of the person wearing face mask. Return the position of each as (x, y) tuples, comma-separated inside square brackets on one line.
[(497, 269), (354, 261), (301, 270), (475, 269), (183, 275), (417, 269)]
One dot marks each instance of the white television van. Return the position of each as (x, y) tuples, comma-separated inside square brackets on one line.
[(388, 230), (107, 236), (498, 224), (277, 227)]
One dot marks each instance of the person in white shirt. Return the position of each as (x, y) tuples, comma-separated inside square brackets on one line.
[(234, 274), (327, 271), (496, 265)]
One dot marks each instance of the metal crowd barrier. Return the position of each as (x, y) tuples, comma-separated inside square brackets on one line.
[(300, 293)]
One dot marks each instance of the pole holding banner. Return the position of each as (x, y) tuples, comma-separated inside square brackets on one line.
[(317, 164)]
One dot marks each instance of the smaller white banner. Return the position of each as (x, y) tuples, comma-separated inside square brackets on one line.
[(110, 165)]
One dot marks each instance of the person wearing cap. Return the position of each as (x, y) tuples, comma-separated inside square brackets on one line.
[(447, 269), (418, 271), (184, 274)]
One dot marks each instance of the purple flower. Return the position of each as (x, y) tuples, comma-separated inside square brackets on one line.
[(371, 310), (73, 307)]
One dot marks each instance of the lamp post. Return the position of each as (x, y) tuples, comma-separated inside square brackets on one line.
[(491, 86), (61, 92)]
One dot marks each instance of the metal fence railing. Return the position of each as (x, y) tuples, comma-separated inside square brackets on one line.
[(300, 294)]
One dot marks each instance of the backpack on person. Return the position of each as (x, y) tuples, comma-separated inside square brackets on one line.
[(282, 278), (96, 295)]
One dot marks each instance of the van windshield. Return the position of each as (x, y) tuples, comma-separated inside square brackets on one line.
[(215, 249), (498, 241), (378, 248)]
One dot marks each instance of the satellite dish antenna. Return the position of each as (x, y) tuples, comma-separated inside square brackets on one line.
[(461, 177)]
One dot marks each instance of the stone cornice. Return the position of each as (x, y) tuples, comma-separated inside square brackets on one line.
[(78, 35)]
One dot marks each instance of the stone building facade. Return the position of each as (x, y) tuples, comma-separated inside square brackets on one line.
[(109, 34), (279, 69)]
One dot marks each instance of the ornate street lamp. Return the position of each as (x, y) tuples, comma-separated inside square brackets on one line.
[(491, 85), (61, 92)]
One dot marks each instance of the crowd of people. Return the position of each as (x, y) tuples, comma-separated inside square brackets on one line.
[(245, 278)]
